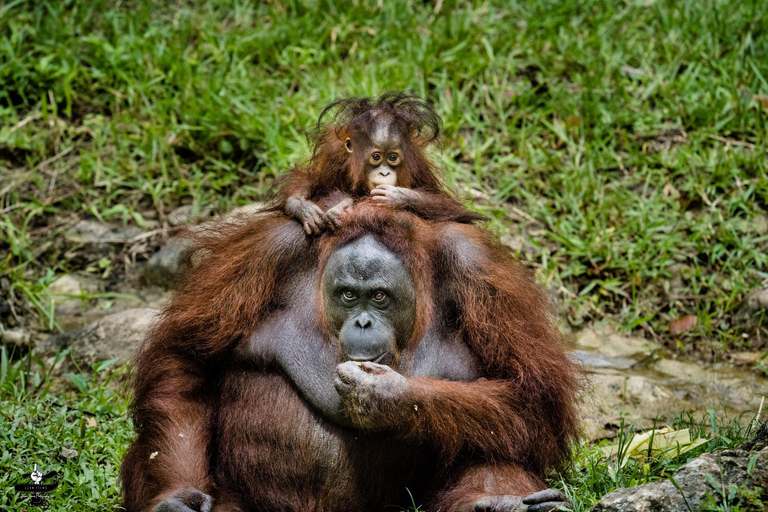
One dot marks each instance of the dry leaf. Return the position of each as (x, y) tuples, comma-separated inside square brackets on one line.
[(682, 325), (761, 99), (91, 422), (663, 443)]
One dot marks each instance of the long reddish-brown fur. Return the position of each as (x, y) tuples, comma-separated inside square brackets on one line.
[(500, 433), (507, 322), (332, 168)]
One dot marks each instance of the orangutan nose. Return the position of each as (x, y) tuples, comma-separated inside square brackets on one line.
[(384, 172)]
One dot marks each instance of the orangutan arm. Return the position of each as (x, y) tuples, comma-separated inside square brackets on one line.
[(484, 415), (174, 380), (166, 469)]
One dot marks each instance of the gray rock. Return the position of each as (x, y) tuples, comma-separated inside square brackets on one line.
[(68, 453), (115, 336), (727, 468), (93, 232), (65, 287), (168, 264), (753, 310), (187, 213), (100, 238), (18, 336), (597, 360), (611, 344)]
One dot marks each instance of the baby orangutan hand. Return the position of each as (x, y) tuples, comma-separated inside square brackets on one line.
[(308, 213), (334, 216), (396, 196)]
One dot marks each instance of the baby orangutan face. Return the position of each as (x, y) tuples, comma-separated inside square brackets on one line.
[(383, 154)]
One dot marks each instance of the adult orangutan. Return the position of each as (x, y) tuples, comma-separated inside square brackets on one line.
[(344, 371), (376, 147)]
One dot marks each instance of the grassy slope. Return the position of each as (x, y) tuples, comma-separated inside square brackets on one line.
[(614, 139)]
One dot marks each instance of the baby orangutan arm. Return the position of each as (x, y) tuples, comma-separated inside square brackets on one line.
[(335, 215), (308, 213), (427, 205)]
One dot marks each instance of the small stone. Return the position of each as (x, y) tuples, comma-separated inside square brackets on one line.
[(168, 264), (187, 213), (612, 344), (92, 232), (19, 337), (99, 237), (115, 336), (66, 289), (515, 242), (65, 285), (68, 453), (595, 360)]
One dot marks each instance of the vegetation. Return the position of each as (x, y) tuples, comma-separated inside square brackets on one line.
[(619, 147), (82, 436), (595, 475)]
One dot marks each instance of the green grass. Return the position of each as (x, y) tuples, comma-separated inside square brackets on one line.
[(594, 475), (35, 424)]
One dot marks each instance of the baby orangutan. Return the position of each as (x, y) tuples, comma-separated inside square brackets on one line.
[(376, 148)]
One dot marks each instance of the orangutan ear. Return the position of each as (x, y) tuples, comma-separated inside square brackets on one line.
[(417, 138), (348, 145)]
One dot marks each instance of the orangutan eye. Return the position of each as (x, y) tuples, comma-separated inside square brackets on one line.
[(348, 294), (379, 296), (376, 157), (393, 157)]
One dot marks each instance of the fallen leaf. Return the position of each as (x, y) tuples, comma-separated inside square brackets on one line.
[(762, 99), (682, 325), (91, 422), (663, 443)]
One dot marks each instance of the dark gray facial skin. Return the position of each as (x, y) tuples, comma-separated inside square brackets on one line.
[(369, 300)]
